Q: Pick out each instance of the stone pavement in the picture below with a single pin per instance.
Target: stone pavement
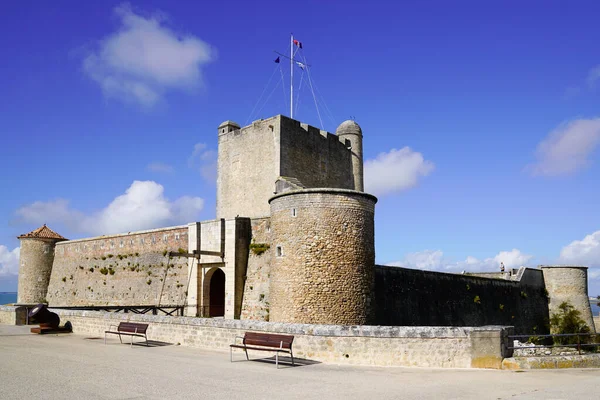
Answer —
(79, 367)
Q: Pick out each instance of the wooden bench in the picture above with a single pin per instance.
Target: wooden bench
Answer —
(264, 342)
(128, 329)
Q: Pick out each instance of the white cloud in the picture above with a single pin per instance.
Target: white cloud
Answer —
(160, 167)
(142, 206)
(205, 160)
(434, 260)
(9, 261)
(593, 76)
(583, 252)
(395, 171)
(144, 59)
(567, 149)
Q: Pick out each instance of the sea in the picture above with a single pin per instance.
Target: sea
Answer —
(8, 297)
(595, 307)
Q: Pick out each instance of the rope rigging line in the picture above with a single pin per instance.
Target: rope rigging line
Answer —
(328, 112)
(314, 97)
(269, 97)
(298, 94)
(283, 88)
(262, 94)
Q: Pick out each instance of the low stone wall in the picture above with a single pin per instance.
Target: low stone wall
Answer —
(447, 347)
(11, 315)
(597, 323)
(552, 362)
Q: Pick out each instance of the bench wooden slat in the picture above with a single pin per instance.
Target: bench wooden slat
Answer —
(129, 329)
(267, 342)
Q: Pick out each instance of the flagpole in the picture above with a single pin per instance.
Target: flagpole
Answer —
(292, 76)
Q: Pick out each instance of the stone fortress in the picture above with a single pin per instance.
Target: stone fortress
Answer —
(293, 242)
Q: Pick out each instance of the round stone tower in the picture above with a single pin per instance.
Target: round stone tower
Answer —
(35, 264)
(570, 284)
(324, 256)
(350, 134)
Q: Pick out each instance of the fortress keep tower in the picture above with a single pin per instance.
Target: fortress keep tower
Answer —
(253, 158)
(35, 264)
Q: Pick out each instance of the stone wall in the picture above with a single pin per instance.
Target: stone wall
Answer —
(424, 298)
(348, 345)
(256, 288)
(322, 271)
(128, 269)
(316, 158)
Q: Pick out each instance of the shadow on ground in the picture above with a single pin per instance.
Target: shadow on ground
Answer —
(151, 343)
(283, 361)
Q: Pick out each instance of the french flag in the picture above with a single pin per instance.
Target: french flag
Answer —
(298, 43)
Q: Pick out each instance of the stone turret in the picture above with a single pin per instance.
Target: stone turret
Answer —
(350, 134)
(228, 126)
(324, 260)
(570, 284)
(35, 264)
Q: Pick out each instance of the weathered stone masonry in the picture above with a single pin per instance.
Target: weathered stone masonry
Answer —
(322, 271)
(128, 269)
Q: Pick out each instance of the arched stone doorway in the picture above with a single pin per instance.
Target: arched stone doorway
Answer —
(216, 292)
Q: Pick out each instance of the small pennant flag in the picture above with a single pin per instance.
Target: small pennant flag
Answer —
(277, 60)
(300, 65)
(298, 43)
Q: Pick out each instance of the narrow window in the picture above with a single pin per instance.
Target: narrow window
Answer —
(348, 144)
(46, 249)
(177, 236)
(294, 214)
(279, 251)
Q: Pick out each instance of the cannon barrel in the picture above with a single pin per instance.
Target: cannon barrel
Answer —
(45, 317)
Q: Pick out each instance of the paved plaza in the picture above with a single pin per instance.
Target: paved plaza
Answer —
(80, 367)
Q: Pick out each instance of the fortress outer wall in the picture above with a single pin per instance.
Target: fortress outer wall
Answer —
(411, 297)
(324, 255)
(126, 270)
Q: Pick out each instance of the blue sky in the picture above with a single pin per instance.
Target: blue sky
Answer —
(481, 121)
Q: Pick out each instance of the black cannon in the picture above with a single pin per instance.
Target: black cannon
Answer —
(48, 320)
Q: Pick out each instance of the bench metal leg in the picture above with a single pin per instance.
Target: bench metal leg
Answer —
(247, 358)
(277, 360)
(121, 340)
(292, 354)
